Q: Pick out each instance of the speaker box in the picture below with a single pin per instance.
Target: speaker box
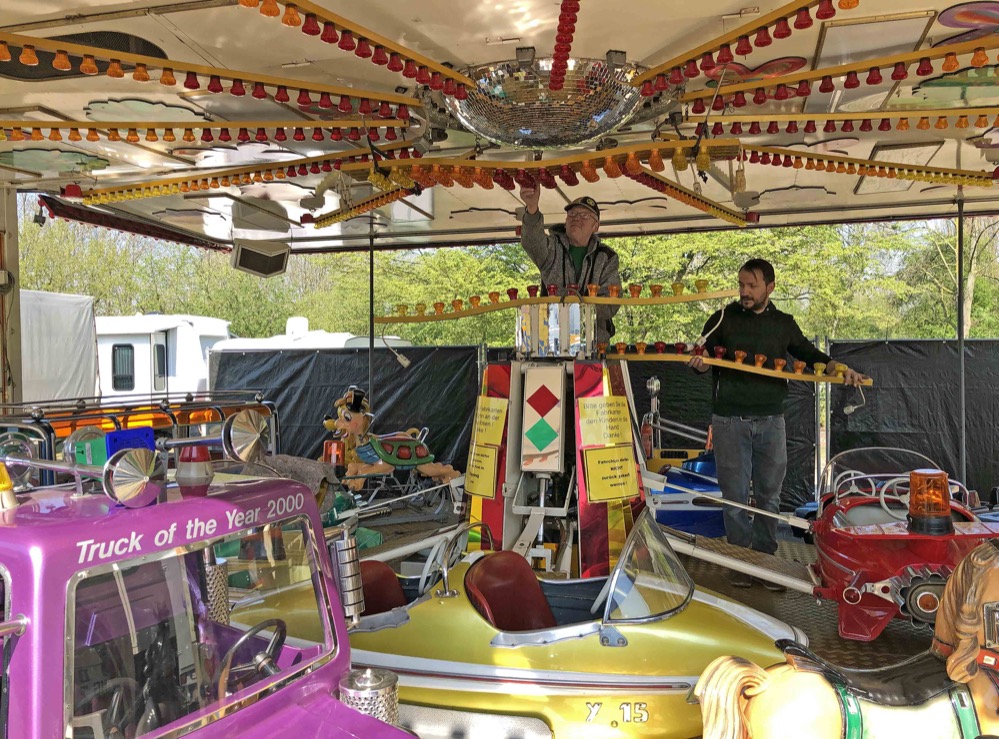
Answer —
(260, 258)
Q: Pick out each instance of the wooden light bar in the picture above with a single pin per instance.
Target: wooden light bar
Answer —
(768, 155)
(688, 197)
(361, 207)
(116, 59)
(203, 180)
(393, 56)
(790, 10)
(349, 129)
(975, 47)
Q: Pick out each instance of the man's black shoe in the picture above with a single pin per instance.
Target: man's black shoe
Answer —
(739, 579)
(773, 587)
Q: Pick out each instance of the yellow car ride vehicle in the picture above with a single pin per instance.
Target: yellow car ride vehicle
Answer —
(492, 650)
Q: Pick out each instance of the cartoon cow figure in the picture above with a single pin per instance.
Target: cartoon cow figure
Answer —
(368, 454)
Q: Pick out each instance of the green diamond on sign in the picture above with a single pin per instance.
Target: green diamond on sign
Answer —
(541, 434)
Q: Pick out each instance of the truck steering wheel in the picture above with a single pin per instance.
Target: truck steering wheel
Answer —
(263, 662)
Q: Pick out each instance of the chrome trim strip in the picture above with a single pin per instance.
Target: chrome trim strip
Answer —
(513, 639)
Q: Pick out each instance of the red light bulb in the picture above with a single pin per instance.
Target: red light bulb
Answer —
(347, 42)
(311, 25)
(762, 38)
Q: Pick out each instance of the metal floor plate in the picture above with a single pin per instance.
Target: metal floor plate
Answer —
(817, 618)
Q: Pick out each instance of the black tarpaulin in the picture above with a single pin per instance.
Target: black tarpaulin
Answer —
(915, 403)
(685, 397)
(437, 390)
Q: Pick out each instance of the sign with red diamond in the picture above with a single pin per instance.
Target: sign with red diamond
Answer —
(541, 439)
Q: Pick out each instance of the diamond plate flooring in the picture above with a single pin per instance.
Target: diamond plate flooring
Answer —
(817, 618)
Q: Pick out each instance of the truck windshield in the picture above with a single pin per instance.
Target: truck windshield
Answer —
(180, 634)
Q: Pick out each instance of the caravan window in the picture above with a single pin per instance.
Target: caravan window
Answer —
(159, 367)
(123, 367)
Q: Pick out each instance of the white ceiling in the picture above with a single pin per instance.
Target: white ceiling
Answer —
(220, 33)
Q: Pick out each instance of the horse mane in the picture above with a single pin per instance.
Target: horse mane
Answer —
(960, 616)
(721, 691)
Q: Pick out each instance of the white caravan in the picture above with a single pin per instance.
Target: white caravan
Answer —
(298, 336)
(154, 353)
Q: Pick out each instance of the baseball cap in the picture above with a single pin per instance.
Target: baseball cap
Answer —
(586, 202)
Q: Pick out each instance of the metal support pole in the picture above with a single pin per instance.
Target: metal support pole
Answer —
(963, 429)
(10, 305)
(371, 310)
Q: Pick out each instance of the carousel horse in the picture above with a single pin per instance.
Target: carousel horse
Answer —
(370, 454)
(950, 690)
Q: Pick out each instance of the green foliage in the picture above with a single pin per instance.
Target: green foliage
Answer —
(851, 281)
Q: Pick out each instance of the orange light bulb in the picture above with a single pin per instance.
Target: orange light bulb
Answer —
(61, 62)
(140, 74)
(28, 57)
(4, 52)
(979, 58)
(270, 9)
(55, 135)
(291, 17)
(74, 135)
(92, 135)
(88, 66)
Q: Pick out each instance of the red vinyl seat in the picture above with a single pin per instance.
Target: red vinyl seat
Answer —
(504, 589)
(382, 589)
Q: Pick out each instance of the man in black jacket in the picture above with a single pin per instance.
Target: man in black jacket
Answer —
(748, 410)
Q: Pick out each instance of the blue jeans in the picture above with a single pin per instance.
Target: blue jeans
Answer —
(750, 448)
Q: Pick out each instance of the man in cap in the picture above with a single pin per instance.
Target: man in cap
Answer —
(572, 254)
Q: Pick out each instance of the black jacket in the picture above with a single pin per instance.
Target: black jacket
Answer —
(771, 332)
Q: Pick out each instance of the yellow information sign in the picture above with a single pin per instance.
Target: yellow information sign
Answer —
(604, 421)
(490, 417)
(610, 473)
(480, 474)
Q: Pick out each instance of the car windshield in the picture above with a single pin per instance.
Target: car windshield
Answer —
(168, 636)
(863, 471)
(648, 581)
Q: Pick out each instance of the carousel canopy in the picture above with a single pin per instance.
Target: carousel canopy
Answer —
(206, 121)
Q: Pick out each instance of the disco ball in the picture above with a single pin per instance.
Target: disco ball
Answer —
(511, 105)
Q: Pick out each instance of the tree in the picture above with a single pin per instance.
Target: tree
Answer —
(851, 281)
(932, 263)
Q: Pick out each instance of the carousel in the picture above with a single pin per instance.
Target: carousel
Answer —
(271, 129)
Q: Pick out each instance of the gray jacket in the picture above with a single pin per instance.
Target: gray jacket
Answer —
(550, 252)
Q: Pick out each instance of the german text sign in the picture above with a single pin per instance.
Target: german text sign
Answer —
(480, 474)
(604, 421)
(610, 473)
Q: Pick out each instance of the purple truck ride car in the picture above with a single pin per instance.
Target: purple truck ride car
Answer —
(168, 620)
